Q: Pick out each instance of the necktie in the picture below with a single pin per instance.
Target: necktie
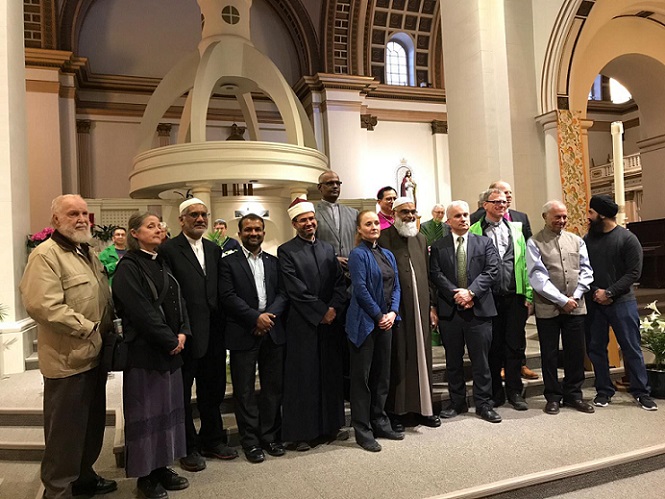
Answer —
(461, 263)
(507, 216)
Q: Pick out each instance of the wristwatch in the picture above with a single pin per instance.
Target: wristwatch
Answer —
(473, 295)
(608, 293)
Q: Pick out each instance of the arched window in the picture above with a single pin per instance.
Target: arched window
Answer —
(399, 60)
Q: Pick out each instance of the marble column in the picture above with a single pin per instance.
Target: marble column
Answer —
(552, 186)
(84, 153)
(441, 161)
(652, 155)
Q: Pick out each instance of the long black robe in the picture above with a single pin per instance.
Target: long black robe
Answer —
(313, 403)
(404, 393)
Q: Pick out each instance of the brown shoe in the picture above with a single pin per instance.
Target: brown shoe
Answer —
(528, 373)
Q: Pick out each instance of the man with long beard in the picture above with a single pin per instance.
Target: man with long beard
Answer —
(615, 255)
(65, 291)
(411, 360)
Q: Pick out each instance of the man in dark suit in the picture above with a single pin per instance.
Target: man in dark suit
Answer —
(194, 260)
(463, 267)
(313, 406)
(510, 215)
(251, 294)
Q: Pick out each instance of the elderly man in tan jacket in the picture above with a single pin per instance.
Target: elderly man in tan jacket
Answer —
(66, 293)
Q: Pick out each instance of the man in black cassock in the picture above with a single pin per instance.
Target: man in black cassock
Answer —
(313, 403)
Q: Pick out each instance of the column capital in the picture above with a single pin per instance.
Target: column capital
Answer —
(83, 126)
(368, 121)
(164, 129)
(439, 126)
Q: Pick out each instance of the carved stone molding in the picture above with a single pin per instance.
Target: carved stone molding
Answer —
(439, 126)
(164, 129)
(83, 126)
(368, 121)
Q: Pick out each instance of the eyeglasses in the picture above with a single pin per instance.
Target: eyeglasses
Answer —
(497, 201)
(196, 214)
(331, 183)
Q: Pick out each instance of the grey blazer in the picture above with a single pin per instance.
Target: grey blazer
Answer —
(343, 241)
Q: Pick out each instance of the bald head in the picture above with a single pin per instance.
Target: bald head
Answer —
(329, 186)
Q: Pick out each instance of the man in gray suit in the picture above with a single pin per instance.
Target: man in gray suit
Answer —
(337, 223)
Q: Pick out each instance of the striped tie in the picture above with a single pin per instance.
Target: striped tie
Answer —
(461, 263)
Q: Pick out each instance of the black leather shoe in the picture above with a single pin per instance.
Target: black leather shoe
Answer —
(388, 434)
(552, 407)
(518, 402)
(149, 489)
(169, 479)
(342, 434)
(451, 411)
(254, 454)
(275, 449)
(396, 423)
(580, 405)
(220, 451)
(488, 414)
(193, 462)
(100, 487)
(371, 446)
(430, 421)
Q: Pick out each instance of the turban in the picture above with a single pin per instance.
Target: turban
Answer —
(604, 205)
(299, 206)
(189, 202)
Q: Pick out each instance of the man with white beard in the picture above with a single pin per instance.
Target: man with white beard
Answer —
(411, 360)
(66, 292)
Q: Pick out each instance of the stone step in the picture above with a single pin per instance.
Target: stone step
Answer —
(32, 361)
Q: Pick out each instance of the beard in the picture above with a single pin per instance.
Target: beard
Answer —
(406, 229)
(596, 226)
(77, 236)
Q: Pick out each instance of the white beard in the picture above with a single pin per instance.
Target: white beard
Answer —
(77, 236)
(406, 229)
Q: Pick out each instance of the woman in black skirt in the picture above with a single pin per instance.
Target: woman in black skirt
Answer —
(154, 317)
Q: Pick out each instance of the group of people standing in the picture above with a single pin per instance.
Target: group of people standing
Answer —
(352, 295)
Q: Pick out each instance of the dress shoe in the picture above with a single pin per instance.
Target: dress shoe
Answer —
(302, 446)
(451, 411)
(528, 373)
(220, 451)
(396, 423)
(552, 407)
(150, 489)
(388, 434)
(498, 402)
(371, 446)
(430, 421)
(254, 454)
(193, 462)
(275, 449)
(488, 414)
(342, 434)
(580, 405)
(169, 479)
(518, 402)
(101, 486)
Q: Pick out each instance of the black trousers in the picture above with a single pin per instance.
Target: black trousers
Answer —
(259, 418)
(570, 328)
(74, 422)
(508, 345)
(370, 380)
(476, 332)
(210, 374)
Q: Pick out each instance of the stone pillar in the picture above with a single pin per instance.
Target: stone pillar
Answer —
(552, 187)
(652, 155)
(202, 191)
(16, 330)
(297, 191)
(442, 187)
(84, 153)
(164, 134)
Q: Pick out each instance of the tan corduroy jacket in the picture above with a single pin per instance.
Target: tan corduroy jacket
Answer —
(70, 300)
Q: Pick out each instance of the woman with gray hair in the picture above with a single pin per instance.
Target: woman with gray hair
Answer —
(155, 323)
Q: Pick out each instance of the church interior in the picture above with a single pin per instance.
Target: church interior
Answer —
(137, 105)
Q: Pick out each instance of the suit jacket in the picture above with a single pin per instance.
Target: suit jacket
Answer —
(199, 290)
(515, 216)
(482, 268)
(240, 300)
(343, 241)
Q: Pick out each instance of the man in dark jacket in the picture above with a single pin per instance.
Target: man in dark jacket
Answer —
(251, 294)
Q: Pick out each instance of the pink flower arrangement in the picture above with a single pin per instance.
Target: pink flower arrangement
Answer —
(37, 238)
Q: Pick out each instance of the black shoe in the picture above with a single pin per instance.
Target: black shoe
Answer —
(580, 405)
(193, 462)
(488, 414)
(150, 489)
(396, 423)
(342, 434)
(552, 407)
(518, 402)
(100, 487)
(430, 421)
(302, 446)
(254, 454)
(388, 434)
(275, 449)
(498, 402)
(169, 479)
(220, 451)
(451, 411)
(371, 446)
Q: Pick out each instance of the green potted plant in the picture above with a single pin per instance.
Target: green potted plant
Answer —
(652, 329)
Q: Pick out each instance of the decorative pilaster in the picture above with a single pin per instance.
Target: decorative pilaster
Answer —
(164, 134)
(439, 126)
(84, 154)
